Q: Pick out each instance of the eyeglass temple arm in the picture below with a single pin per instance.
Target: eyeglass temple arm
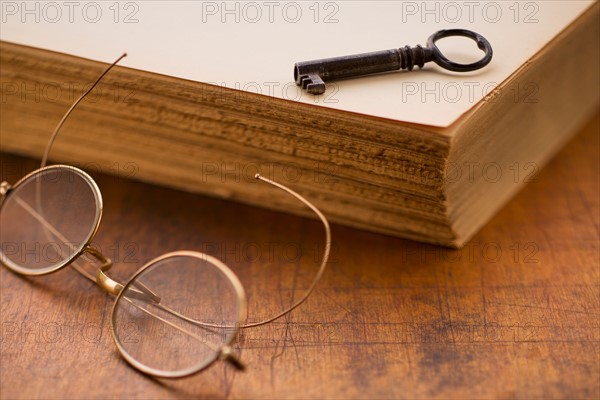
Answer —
(323, 260)
(101, 278)
(316, 279)
(310, 289)
(70, 110)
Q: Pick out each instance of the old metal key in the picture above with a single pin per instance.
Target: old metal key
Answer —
(312, 75)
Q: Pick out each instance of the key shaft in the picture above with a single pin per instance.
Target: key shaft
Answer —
(312, 75)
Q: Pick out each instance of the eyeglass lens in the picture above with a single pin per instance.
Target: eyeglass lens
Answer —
(47, 219)
(177, 314)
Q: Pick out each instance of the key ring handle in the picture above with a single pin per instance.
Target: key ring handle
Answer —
(444, 62)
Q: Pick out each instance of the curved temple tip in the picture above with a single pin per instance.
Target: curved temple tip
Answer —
(257, 176)
(228, 355)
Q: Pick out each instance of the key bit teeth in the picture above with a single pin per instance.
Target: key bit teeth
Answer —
(316, 88)
(305, 81)
(314, 84)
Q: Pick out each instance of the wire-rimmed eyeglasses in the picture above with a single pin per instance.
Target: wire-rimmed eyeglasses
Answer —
(176, 315)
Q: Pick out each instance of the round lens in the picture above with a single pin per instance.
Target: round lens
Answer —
(47, 218)
(176, 314)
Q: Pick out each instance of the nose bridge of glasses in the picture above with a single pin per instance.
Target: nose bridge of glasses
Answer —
(103, 280)
(227, 354)
(135, 290)
(4, 188)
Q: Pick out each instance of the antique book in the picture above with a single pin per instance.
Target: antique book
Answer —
(427, 155)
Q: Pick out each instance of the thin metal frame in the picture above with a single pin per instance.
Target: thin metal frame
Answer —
(140, 291)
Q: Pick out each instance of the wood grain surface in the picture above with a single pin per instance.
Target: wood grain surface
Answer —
(513, 314)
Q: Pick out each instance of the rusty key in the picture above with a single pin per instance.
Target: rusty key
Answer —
(312, 75)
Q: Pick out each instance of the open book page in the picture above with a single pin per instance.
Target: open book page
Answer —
(253, 46)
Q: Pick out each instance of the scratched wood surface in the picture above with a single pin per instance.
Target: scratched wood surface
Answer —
(515, 313)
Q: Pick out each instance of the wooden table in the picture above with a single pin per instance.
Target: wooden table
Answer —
(515, 313)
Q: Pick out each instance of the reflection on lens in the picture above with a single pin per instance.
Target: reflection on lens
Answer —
(47, 219)
(176, 313)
